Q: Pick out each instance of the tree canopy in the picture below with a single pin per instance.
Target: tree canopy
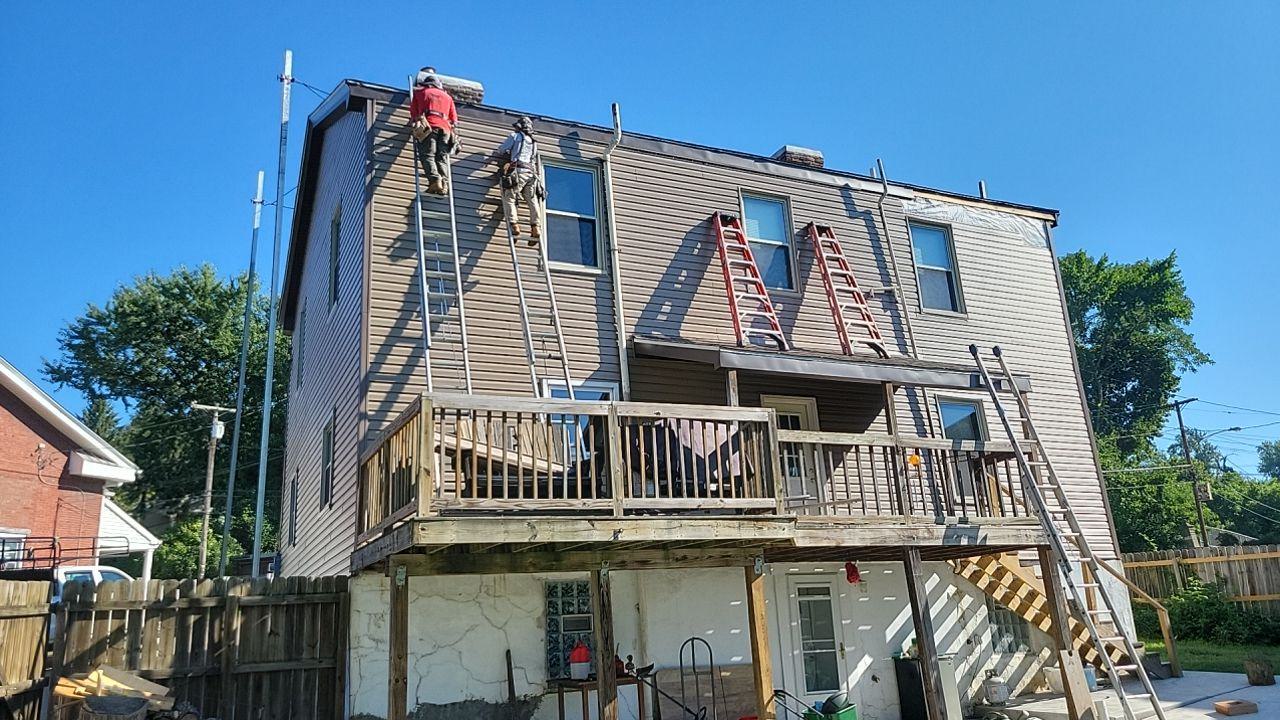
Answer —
(1130, 326)
(158, 345)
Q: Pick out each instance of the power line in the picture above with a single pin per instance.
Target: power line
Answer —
(1241, 408)
(1147, 468)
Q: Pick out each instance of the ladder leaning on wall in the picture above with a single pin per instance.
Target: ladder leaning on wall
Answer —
(1050, 504)
(439, 277)
(544, 344)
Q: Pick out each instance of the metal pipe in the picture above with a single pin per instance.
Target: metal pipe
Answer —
(615, 265)
(250, 293)
(264, 441)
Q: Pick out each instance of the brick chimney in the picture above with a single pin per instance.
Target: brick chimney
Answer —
(797, 155)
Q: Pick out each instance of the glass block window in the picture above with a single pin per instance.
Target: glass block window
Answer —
(1009, 632)
(568, 622)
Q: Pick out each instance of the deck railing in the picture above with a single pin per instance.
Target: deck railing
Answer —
(484, 454)
(456, 453)
(866, 474)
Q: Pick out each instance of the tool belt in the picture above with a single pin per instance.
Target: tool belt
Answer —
(421, 128)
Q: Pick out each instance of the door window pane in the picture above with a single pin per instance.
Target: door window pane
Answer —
(572, 217)
(818, 639)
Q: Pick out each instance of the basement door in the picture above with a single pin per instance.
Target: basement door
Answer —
(817, 646)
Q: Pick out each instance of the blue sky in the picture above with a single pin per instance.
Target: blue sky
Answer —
(133, 132)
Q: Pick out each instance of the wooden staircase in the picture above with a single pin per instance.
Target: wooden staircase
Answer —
(1018, 588)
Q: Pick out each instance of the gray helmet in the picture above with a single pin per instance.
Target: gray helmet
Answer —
(524, 124)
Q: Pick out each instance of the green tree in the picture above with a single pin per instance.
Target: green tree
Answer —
(100, 417)
(1269, 458)
(1152, 508)
(155, 347)
(1129, 321)
(179, 552)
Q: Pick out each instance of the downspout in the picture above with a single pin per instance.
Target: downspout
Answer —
(615, 265)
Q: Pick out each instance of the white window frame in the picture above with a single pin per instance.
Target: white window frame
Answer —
(790, 243)
(547, 212)
(939, 400)
(8, 545)
(327, 441)
(603, 385)
(960, 309)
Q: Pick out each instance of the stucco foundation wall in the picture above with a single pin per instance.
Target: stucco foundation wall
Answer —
(461, 626)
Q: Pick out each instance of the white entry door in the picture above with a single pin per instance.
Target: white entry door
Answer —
(801, 468)
(817, 645)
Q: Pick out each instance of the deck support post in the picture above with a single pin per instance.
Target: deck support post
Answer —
(757, 621)
(398, 646)
(731, 388)
(606, 674)
(926, 642)
(1079, 701)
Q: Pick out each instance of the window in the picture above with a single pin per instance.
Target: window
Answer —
(326, 461)
(293, 509)
(1008, 631)
(80, 576)
(12, 550)
(568, 622)
(818, 639)
(335, 232)
(962, 420)
(769, 234)
(575, 441)
(573, 233)
(110, 575)
(935, 268)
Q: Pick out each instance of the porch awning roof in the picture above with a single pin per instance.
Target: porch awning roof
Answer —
(822, 366)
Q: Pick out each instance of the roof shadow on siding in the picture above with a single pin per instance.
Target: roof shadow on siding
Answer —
(666, 309)
(891, 305)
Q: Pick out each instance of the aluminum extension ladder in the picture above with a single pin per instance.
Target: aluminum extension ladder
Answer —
(748, 297)
(849, 308)
(543, 333)
(1041, 484)
(439, 277)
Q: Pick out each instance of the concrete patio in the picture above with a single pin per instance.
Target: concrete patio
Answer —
(1184, 698)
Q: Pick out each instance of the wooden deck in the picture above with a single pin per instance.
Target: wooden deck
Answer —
(458, 474)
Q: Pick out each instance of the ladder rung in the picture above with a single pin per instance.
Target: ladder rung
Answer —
(438, 253)
(441, 274)
(1099, 611)
(1125, 668)
(436, 213)
(1112, 639)
(437, 233)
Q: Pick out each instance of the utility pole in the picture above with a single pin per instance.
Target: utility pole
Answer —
(264, 442)
(1199, 490)
(216, 430)
(251, 291)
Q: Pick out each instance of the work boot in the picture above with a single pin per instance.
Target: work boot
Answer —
(436, 187)
(515, 229)
(535, 234)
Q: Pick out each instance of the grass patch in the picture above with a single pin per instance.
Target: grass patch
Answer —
(1212, 657)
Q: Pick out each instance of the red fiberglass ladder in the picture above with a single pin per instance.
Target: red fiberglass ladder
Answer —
(749, 304)
(848, 303)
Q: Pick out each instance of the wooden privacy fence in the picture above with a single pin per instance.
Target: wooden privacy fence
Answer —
(1250, 574)
(235, 648)
(24, 617)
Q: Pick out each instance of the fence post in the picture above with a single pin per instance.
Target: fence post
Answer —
(617, 473)
(425, 477)
(230, 647)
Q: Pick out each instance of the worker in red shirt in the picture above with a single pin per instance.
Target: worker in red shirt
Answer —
(432, 118)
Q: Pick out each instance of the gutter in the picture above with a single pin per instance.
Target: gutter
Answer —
(615, 266)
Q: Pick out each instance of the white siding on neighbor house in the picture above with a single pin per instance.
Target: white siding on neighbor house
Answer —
(654, 612)
(332, 363)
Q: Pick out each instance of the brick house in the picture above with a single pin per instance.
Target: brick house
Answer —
(56, 478)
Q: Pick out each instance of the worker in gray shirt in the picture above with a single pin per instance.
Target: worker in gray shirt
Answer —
(520, 178)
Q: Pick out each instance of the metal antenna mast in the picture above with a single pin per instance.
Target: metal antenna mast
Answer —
(249, 293)
(265, 441)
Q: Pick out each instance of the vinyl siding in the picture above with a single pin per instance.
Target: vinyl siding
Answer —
(332, 364)
(396, 373)
(673, 287)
